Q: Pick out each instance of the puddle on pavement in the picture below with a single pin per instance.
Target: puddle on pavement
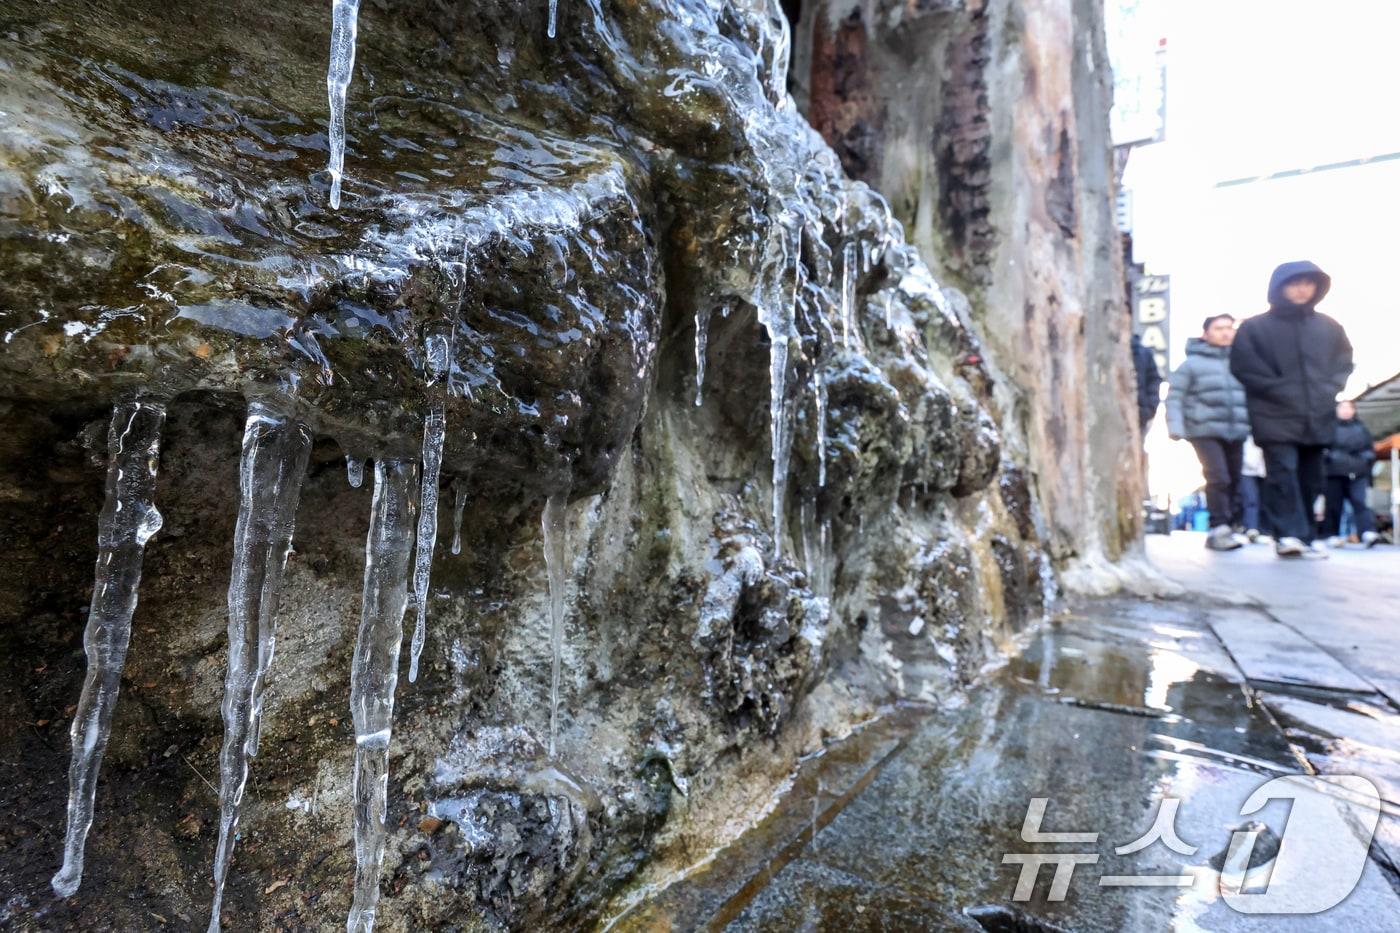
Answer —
(905, 827)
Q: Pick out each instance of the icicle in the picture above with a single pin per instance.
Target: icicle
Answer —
(556, 548)
(434, 427)
(889, 310)
(355, 470)
(128, 520)
(777, 375)
(828, 571)
(460, 488)
(270, 473)
(820, 381)
(806, 517)
(702, 332)
(374, 675)
(344, 25)
(848, 289)
(553, 16)
(434, 432)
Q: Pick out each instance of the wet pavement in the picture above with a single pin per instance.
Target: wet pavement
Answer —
(919, 821)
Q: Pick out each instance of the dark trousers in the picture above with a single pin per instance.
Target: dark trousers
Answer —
(1293, 483)
(1221, 461)
(1343, 489)
(1250, 513)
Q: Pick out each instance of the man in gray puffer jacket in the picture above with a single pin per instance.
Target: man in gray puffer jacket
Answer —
(1206, 406)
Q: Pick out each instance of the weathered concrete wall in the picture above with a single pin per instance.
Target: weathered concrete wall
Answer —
(985, 124)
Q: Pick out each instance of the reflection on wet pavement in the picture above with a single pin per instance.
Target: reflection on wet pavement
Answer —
(1107, 713)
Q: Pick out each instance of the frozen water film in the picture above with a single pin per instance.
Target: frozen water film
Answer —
(556, 547)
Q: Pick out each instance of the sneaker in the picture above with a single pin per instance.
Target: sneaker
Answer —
(1253, 535)
(1370, 539)
(1316, 551)
(1336, 541)
(1221, 538)
(1290, 547)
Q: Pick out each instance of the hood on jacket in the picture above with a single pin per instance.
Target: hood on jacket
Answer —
(1292, 270)
(1197, 346)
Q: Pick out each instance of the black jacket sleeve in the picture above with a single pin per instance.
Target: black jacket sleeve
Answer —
(1344, 364)
(1154, 382)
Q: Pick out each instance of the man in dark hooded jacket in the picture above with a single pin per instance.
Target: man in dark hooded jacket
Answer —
(1292, 361)
(1149, 383)
(1349, 460)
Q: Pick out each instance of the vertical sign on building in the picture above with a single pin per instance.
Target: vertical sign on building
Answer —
(1137, 51)
(1152, 317)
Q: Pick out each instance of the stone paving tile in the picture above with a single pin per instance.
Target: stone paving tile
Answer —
(1271, 652)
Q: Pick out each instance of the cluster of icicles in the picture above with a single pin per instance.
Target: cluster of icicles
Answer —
(274, 458)
(271, 469)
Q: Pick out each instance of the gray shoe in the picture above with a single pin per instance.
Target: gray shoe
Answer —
(1370, 539)
(1222, 538)
(1290, 547)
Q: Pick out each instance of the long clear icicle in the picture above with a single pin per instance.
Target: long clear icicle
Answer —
(374, 674)
(345, 15)
(270, 474)
(702, 333)
(848, 291)
(438, 356)
(553, 17)
(556, 549)
(434, 430)
(128, 520)
(819, 379)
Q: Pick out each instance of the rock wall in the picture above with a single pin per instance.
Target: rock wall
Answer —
(985, 124)
(787, 480)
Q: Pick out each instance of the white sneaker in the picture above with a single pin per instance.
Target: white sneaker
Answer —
(1336, 541)
(1290, 547)
(1316, 551)
(1253, 535)
(1370, 539)
(1221, 538)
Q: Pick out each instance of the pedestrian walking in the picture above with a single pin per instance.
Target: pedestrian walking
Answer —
(1206, 406)
(1252, 512)
(1149, 383)
(1293, 360)
(1348, 463)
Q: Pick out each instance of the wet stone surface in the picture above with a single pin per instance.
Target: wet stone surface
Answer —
(1107, 712)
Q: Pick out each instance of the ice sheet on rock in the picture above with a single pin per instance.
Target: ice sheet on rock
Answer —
(344, 26)
(270, 473)
(129, 518)
(374, 674)
(556, 549)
